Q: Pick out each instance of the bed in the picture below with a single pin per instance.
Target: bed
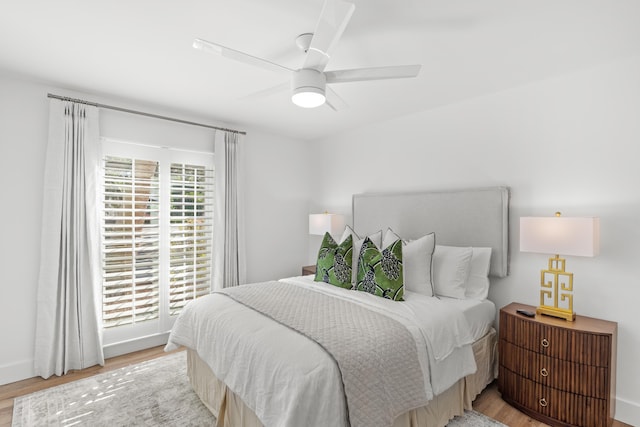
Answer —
(250, 369)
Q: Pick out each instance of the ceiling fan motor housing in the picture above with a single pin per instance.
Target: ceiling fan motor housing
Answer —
(308, 81)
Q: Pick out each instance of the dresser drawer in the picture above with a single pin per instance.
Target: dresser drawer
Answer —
(565, 407)
(560, 374)
(557, 342)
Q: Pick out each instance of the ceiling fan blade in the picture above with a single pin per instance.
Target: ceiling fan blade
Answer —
(333, 20)
(375, 73)
(267, 92)
(334, 100)
(236, 55)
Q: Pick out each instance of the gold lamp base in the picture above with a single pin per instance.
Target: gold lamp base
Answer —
(555, 282)
(556, 312)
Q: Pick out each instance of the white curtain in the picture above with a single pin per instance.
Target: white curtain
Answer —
(68, 335)
(229, 251)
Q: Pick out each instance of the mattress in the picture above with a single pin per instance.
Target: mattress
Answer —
(249, 366)
(480, 315)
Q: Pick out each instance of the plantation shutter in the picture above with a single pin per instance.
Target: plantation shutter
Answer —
(191, 233)
(131, 241)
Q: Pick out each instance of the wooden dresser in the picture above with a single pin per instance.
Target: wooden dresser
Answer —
(558, 372)
(308, 269)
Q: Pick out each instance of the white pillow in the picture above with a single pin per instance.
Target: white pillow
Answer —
(451, 265)
(416, 261)
(376, 238)
(477, 286)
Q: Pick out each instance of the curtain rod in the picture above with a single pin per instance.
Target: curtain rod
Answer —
(142, 113)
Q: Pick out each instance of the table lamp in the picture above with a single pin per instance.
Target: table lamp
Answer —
(326, 223)
(574, 236)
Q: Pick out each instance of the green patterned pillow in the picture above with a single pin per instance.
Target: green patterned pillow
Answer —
(380, 273)
(334, 262)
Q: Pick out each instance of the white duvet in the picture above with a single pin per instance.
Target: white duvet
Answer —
(289, 380)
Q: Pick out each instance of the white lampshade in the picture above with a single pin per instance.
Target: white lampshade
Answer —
(326, 223)
(560, 235)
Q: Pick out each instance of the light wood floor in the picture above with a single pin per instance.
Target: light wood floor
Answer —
(489, 402)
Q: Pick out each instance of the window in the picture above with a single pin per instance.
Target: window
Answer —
(157, 232)
(190, 234)
(131, 241)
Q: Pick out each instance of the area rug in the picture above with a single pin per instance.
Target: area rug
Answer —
(152, 393)
(474, 419)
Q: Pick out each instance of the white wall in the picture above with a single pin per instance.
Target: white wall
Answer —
(23, 128)
(277, 205)
(276, 200)
(570, 143)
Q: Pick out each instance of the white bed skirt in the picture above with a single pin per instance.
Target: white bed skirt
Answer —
(231, 411)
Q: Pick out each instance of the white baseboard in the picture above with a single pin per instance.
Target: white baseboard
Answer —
(627, 412)
(137, 344)
(18, 371)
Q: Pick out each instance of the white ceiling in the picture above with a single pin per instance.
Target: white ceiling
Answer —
(141, 50)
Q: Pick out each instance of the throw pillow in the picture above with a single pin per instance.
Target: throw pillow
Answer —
(380, 272)
(416, 261)
(334, 262)
(376, 238)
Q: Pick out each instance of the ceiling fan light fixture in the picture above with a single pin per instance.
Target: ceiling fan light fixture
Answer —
(308, 97)
(308, 88)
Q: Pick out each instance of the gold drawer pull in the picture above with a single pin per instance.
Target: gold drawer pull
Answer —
(543, 402)
(545, 342)
(544, 372)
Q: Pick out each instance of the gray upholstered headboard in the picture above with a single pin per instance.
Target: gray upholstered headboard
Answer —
(474, 217)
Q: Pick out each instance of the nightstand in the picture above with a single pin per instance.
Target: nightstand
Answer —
(308, 269)
(559, 372)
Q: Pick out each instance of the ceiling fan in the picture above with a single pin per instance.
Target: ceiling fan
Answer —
(309, 83)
